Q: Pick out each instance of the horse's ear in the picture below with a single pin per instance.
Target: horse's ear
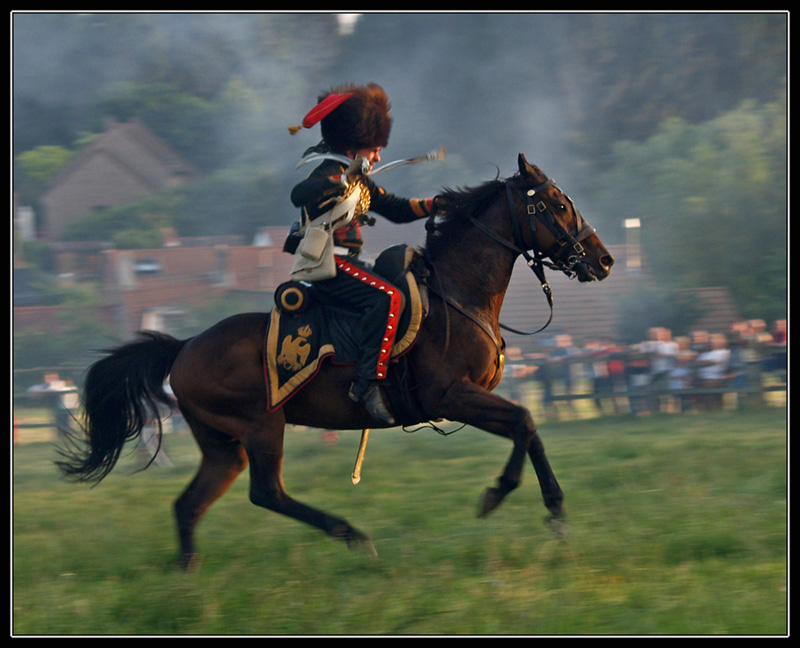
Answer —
(530, 170)
(523, 164)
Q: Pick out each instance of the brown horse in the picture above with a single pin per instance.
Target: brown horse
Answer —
(218, 377)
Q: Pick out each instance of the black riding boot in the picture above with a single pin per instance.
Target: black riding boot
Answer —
(369, 393)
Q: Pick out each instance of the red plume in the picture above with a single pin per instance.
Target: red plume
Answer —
(322, 110)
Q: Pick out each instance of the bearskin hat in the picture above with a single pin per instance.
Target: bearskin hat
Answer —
(352, 117)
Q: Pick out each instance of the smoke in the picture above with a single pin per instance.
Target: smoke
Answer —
(556, 87)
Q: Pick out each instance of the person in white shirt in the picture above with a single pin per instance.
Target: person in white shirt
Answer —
(712, 368)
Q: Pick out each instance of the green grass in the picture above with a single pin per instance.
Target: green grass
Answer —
(677, 525)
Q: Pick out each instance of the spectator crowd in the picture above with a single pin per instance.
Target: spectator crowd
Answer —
(660, 374)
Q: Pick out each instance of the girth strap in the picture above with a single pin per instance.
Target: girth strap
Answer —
(482, 325)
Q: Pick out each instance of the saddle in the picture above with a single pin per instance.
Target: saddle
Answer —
(305, 329)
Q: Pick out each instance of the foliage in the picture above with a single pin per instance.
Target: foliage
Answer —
(36, 167)
(712, 203)
(184, 120)
(632, 72)
(137, 239)
(146, 216)
(232, 201)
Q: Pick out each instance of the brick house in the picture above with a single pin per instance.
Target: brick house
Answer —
(151, 288)
(126, 164)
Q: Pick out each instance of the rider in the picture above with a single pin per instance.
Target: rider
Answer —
(355, 122)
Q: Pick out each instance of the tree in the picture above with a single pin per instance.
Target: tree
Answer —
(34, 169)
(712, 201)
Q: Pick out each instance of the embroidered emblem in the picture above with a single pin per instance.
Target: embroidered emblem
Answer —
(295, 350)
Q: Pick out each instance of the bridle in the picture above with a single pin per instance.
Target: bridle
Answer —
(564, 254)
(567, 251)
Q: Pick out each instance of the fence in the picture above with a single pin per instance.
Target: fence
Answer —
(551, 386)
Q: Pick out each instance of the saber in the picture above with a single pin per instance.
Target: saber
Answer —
(314, 157)
(362, 448)
(438, 154)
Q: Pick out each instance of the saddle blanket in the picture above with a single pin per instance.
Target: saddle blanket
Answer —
(299, 339)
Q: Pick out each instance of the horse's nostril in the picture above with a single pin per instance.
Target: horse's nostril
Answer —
(607, 261)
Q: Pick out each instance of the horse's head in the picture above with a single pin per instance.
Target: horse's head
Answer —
(549, 224)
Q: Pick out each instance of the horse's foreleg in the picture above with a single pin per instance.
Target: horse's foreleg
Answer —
(468, 403)
(551, 491)
(265, 451)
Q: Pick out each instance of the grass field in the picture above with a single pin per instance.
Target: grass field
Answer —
(677, 525)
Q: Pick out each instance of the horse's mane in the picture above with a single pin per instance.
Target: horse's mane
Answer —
(455, 206)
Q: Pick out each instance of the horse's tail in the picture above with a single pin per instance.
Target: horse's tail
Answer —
(120, 396)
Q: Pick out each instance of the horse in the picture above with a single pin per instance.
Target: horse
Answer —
(218, 376)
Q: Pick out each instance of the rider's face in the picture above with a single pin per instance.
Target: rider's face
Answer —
(371, 155)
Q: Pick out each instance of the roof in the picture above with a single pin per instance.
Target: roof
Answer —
(137, 149)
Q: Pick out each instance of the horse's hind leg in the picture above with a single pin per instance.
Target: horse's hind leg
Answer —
(265, 451)
(222, 461)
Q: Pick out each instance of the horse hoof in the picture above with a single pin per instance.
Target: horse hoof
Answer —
(364, 545)
(191, 562)
(558, 525)
(359, 542)
(489, 501)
